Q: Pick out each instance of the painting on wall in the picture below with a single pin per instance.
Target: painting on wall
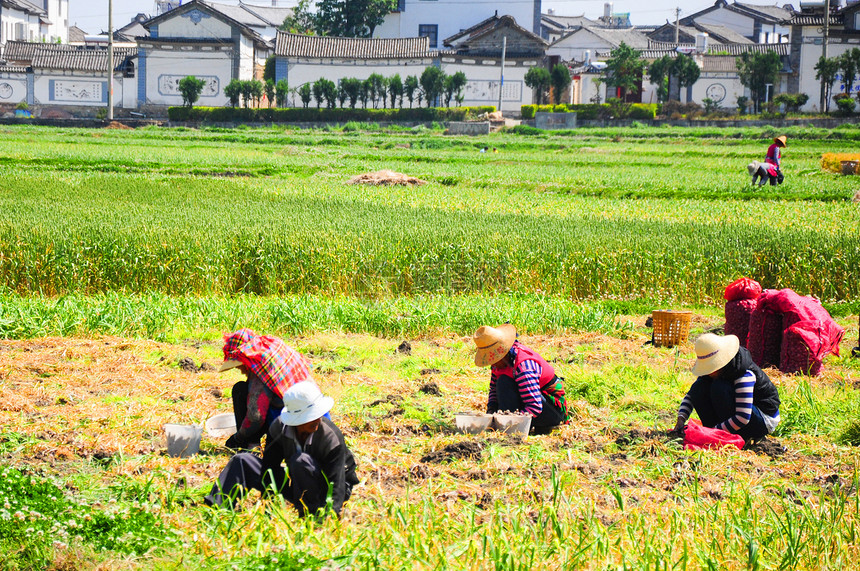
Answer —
(169, 85)
(78, 91)
(487, 91)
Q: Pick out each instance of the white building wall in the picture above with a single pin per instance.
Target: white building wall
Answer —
(810, 52)
(732, 20)
(165, 68)
(724, 88)
(19, 26)
(13, 88)
(184, 26)
(69, 88)
(58, 14)
(246, 58)
(573, 47)
(451, 18)
(483, 81)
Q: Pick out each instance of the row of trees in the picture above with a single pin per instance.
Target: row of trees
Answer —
(377, 91)
(541, 79)
(827, 72)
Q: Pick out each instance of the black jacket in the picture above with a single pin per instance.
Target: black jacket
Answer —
(765, 393)
(327, 447)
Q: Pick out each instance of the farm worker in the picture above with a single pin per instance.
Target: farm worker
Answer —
(730, 392)
(305, 454)
(520, 379)
(270, 367)
(774, 157)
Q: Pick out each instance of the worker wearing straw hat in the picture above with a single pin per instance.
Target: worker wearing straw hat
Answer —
(520, 379)
(270, 367)
(308, 445)
(731, 392)
(774, 157)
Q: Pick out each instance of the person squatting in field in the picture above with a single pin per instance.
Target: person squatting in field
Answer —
(520, 379)
(731, 392)
(270, 367)
(305, 455)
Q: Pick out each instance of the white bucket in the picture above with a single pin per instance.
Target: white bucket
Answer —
(472, 423)
(183, 440)
(221, 425)
(513, 424)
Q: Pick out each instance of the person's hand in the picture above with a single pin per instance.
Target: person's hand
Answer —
(679, 427)
(234, 443)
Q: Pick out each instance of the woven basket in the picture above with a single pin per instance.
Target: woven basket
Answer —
(671, 327)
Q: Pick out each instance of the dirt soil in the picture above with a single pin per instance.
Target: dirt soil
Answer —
(386, 178)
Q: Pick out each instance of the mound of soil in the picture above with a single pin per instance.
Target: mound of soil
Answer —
(405, 348)
(386, 178)
(456, 451)
(118, 125)
(768, 447)
(425, 372)
(187, 364)
(431, 388)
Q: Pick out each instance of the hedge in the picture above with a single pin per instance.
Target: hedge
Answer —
(322, 115)
(588, 111)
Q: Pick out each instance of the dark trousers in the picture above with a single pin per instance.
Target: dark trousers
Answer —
(240, 411)
(715, 402)
(508, 398)
(303, 484)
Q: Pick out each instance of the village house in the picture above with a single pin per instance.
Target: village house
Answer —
(196, 39)
(34, 21)
(476, 52)
(763, 24)
(807, 46)
(440, 19)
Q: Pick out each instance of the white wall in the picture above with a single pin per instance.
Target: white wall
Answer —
(740, 24)
(58, 14)
(165, 68)
(246, 58)
(13, 87)
(58, 88)
(13, 23)
(725, 88)
(483, 83)
(183, 26)
(809, 54)
(573, 47)
(451, 18)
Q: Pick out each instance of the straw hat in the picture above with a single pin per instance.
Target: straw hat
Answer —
(714, 352)
(781, 141)
(229, 364)
(303, 402)
(493, 343)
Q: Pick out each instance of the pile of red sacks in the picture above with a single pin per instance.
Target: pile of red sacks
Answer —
(781, 328)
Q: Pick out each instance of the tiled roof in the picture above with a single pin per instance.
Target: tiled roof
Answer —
(13, 69)
(273, 15)
(723, 33)
(487, 26)
(738, 49)
(814, 20)
(80, 59)
(298, 45)
(727, 64)
(76, 34)
(775, 13)
(18, 51)
(615, 36)
(24, 6)
(238, 14)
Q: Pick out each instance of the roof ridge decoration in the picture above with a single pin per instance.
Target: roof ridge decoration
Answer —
(195, 15)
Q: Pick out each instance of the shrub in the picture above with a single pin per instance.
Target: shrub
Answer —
(309, 114)
(845, 103)
(528, 111)
(675, 109)
(792, 101)
(642, 111)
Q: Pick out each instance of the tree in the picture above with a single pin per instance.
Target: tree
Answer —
(342, 95)
(849, 62)
(395, 90)
(364, 92)
(190, 88)
(756, 71)
(350, 18)
(376, 89)
(305, 94)
(282, 88)
(410, 87)
(560, 79)
(303, 20)
(454, 85)
(658, 74)
(538, 78)
(352, 88)
(233, 91)
(329, 92)
(685, 70)
(317, 90)
(432, 83)
(624, 70)
(825, 71)
(270, 92)
(269, 69)
(256, 89)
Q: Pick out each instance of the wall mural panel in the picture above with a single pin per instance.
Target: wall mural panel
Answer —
(488, 91)
(78, 91)
(169, 85)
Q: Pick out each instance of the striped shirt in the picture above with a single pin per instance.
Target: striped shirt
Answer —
(527, 378)
(744, 387)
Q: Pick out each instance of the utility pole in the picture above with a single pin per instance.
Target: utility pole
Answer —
(823, 98)
(677, 23)
(502, 76)
(110, 60)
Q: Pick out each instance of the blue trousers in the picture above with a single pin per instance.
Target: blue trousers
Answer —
(714, 402)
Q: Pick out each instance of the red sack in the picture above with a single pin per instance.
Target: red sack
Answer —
(744, 288)
(738, 314)
(698, 437)
(805, 343)
(765, 332)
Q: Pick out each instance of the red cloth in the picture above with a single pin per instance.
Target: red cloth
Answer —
(269, 358)
(698, 437)
(805, 344)
(744, 288)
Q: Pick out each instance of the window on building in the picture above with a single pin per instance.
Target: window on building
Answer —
(429, 31)
(857, 20)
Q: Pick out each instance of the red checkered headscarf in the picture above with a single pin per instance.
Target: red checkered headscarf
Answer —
(270, 359)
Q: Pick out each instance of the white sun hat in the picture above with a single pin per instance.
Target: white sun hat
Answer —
(303, 402)
(714, 352)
